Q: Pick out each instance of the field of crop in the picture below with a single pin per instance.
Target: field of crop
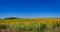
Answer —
(30, 25)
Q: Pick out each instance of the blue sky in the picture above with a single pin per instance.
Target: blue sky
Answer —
(30, 8)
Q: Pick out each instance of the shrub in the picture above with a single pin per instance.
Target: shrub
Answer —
(42, 27)
(3, 27)
(56, 25)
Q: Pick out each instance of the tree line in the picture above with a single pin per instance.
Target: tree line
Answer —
(10, 18)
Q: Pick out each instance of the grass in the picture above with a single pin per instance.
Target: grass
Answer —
(30, 25)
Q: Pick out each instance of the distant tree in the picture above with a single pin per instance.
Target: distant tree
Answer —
(11, 18)
(0, 19)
